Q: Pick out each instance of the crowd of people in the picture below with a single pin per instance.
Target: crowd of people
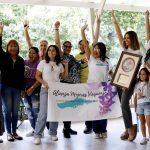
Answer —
(29, 80)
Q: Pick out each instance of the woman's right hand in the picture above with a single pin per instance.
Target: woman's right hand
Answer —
(57, 25)
(84, 27)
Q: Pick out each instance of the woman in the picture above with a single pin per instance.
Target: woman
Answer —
(13, 82)
(31, 99)
(99, 71)
(48, 70)
(130, 44)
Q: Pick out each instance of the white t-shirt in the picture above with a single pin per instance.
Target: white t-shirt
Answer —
(129, 50)
(98, 70)
(50, 71)
(145, 87)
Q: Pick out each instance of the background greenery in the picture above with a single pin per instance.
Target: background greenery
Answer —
(42, 18)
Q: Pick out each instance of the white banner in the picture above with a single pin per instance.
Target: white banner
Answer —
(82, 102)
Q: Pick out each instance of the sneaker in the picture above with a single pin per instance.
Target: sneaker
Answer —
(37, 141)
(54, 138)
(17, 137)
(30, 133)
(104, 135)
(66, 133)
(10, 137)
(97, 136)
(72, 132)
(143, 141)
(87, 130)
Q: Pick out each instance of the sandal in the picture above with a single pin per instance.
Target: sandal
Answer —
(17, 137)
(10, 137)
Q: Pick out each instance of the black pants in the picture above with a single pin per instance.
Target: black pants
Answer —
(1, 115)
(67, 124)
(100, 126)
(89, 124)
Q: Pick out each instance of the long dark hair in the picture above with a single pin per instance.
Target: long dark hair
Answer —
(134, 40)
(147, 73)
(102, 50)
(147, 55)
(57, 57)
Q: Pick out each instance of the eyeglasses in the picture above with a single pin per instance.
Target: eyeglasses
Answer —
(66, 46)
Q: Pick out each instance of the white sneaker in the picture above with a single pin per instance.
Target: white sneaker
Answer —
(143, 141)
(54, 138)
(37, 141)
(97, 136)
(104, 135)
(30, 133)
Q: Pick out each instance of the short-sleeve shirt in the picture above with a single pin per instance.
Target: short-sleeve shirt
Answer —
(83, 69)
(98, 70)
(73, 69)
(50, 71)
(145, 87)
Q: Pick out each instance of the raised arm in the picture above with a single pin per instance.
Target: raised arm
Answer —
(117, 28)
(147, 25)
(87, 49)
(57, 37)
(1, 33)
(97, 30)
(28, 40)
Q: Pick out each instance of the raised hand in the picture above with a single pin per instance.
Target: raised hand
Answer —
(84, 27)
(147, 13)
(113, 15)
(57, 25)
(26, 23)
(98, 20)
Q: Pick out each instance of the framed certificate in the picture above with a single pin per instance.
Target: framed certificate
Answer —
(126, 69)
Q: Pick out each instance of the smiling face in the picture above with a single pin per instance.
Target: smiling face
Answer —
(33, 55)
(13, 48)
(52, 53)
(67, 48)
(96, 52)
(81, 46)
(143, 75)
(127, 40)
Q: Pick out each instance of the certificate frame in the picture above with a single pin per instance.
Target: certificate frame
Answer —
(126, 69)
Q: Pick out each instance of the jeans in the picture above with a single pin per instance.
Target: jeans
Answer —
(11, 103)
(42, 116)
(99, 126)
(32, 103)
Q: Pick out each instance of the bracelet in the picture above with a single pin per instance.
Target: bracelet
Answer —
(56, 29)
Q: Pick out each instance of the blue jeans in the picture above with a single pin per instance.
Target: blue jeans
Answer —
(32, 103)
(11, 103)
(42, 116)
(99, 126)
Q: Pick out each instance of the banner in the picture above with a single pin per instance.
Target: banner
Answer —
(82, 102)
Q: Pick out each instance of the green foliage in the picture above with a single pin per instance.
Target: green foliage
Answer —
(42, 21)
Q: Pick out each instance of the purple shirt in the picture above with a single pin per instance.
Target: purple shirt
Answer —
(30, 70)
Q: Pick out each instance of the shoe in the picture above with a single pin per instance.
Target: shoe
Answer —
(37, 141)
(30, 133)
(143, 141)
(17, 137)
(72, 132)
(132, 132)
(97, 136)
(124, 136)
(104, 135)
(54, 138)
(10, 137)
(1, 141)
(66, 133)
(87, 130)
